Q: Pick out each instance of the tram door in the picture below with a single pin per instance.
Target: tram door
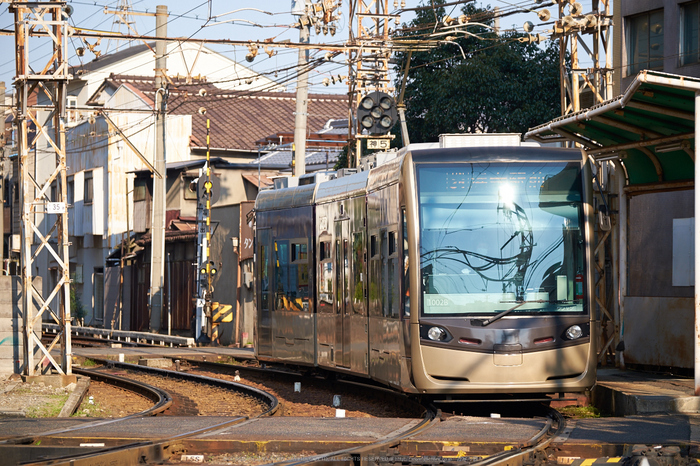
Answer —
(265, 303)
(343, 353)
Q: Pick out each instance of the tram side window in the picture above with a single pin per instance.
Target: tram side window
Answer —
(264, 278)
(338, 272)
(392, 288)
(298, 292)
(358, 283)
(406, 275)
(281, 280)
(325, 278)
(375, 277)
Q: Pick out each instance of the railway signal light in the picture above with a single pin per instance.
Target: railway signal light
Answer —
(208, 269)
(376, 113)
(209, 189)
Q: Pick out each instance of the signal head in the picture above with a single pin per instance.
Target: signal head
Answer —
(376, 113)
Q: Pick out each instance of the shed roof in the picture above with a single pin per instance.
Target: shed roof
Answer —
(651, 128)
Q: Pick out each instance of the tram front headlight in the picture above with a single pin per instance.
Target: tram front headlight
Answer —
(437, 334)
(574, 332)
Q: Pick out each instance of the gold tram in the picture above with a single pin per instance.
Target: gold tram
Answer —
(460, 270)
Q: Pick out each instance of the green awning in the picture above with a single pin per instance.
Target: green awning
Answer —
(650, 128)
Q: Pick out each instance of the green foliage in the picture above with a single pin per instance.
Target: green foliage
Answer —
(78, 311)
(87, 409)
(503, 85)
(342, 161)
(580, 412)
(51, 408)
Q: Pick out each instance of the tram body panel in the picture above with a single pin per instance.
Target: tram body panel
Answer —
(285, 277)
(263, 271)
(342, 320)
(452, 371)
(385, 338)
(356, 315)
(326, 308)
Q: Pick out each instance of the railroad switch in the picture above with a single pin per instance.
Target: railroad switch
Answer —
(538, 458)
(174, 450)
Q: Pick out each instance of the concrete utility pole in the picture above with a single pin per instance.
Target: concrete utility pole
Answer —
(299, 156)
(2, 171)
(158, 223)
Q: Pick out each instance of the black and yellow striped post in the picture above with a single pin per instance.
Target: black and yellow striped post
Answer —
(220, 313)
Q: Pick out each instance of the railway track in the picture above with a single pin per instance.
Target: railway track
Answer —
(359, 397)
(27, 449)
(388, 450)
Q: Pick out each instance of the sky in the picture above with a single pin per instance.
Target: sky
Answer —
(190, 19)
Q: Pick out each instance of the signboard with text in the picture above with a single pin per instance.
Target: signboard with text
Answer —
(245, 245)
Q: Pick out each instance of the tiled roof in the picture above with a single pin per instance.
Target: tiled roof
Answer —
(239, 118)
(314, 158)
(109, 59)
(253, 179)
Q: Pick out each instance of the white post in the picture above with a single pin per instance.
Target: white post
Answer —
(622, 256)
(697, 245)
(159, 183)
(302, 97)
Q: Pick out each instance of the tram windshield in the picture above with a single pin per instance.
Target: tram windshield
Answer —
(501, 236)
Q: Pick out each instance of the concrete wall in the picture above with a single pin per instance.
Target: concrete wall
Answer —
(659, 332)
(659, 315)
(11, 325)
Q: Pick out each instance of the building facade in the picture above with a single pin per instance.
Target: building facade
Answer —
(660, 35)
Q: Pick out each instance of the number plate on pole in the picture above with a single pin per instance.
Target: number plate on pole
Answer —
(378, 144)
(55, 207)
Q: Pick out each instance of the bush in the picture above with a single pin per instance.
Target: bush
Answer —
(78, 311)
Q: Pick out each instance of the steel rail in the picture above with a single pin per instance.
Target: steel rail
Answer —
(511, 457)
(261, 395)
(534, 444)
(138, 452)
(359, 382)
(132, 453)
(160, 397)
(351, 455)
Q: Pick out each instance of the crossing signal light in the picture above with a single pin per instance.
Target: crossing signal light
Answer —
(376, 113)
(208, 269)
(208, 189)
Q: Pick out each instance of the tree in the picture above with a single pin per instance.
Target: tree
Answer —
(503, 84)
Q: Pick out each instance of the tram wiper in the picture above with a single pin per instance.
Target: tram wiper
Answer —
(493, 319)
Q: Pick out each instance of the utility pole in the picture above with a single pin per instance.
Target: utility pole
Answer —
(369, 52)
(36, 195)
(122, 15)
(299, 150)
(2, 173)
(158, 224)
(592, 30)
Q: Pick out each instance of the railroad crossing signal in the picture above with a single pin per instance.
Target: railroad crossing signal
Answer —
(376, 113)
(208, 189)
(208, 270)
